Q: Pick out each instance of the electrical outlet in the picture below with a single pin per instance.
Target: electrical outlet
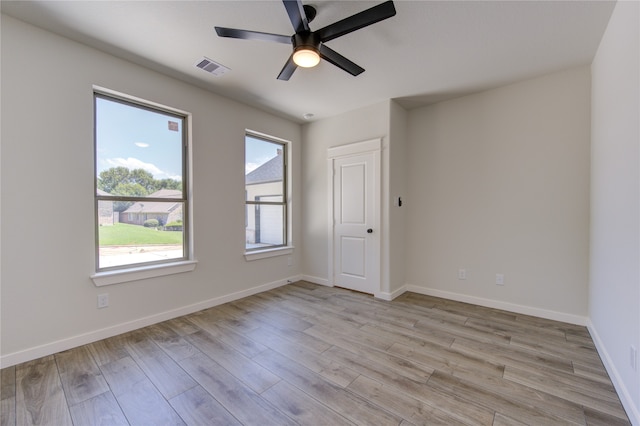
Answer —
(103, 300)
(289, 261)
(499, 279)
(462, 274)
(633, 357)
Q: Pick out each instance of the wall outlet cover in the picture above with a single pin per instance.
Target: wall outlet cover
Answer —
(103, 300)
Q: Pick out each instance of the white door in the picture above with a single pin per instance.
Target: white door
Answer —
(356, 233)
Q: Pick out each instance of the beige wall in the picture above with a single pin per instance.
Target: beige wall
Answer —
(385, 120)
(614, 293)
(356, 126)
(48, 299)
(363, 124)
(498, 182)
(397, 189)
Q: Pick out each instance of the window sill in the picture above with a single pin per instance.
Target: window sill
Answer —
(263, 254)
(143, 272)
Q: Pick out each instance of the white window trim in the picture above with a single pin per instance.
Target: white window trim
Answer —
(142, 272)
(273, 252)
(135, 273)
(280, 250)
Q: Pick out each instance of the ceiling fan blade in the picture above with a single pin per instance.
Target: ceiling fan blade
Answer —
(340, 61)
(288, 69)
(252, 35)
(297, 16)
(359, 20)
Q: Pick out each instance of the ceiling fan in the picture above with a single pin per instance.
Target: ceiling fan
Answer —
(309, 46)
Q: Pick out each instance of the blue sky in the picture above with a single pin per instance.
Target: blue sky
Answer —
(137, 139)
(258, 152)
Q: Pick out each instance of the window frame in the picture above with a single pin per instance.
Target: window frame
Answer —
(286, 247)
(141, 270)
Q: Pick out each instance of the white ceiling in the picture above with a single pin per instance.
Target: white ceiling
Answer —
(429, 51)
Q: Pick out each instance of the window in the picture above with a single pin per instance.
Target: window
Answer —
(141, 184)
(265, 193)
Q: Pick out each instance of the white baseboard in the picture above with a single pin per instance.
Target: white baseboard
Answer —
(631, 407)
(383, 295)
(316, 280)
(380, 295)
(90, 337)
(294, 278)
(496, 304)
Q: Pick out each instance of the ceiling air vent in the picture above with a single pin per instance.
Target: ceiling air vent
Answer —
(211, 67)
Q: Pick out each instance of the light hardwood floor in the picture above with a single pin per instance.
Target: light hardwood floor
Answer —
(307, 354)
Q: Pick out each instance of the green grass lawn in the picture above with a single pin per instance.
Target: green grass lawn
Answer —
(123, 234)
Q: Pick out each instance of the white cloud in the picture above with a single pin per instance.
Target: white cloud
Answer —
(142, 144)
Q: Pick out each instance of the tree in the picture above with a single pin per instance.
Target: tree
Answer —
(169, 184)
(109, 179)
(127, 190)
(143, 178)
(132, 183)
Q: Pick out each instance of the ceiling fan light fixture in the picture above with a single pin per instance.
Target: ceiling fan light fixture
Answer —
(306, 57)
(309, 46)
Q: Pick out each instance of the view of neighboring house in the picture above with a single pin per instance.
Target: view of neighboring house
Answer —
(164, 211)
(105, 211)
(264, 225)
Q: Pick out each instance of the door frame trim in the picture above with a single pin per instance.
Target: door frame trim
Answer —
(368, 146)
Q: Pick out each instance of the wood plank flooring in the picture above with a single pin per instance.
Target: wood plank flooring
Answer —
(307, 354)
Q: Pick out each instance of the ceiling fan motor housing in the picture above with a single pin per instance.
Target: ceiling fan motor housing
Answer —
(306, 49)
(308, 46)
(305, 40)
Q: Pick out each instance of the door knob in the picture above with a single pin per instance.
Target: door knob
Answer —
(369, 231)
